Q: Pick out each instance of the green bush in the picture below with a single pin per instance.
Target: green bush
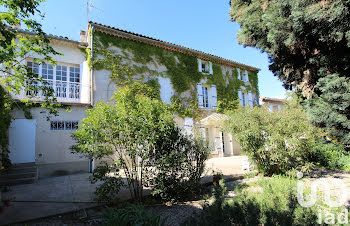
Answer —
(276, 142)
(131, 215)
(329, 155)
(108, 190)
(137, 136)
(269, 201)
(178, 167)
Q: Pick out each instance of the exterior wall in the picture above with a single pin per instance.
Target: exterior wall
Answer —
(71, 53)
(53, 154)
(272, 104)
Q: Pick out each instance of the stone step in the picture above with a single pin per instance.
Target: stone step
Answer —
(27, 164)
(17, 175)
(24, 173)
(17, 181)
(15, 170)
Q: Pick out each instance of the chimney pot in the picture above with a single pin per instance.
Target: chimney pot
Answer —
(82, 36)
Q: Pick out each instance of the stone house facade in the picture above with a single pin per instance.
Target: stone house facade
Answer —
(199, 84)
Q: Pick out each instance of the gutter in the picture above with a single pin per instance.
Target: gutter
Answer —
(53, 37)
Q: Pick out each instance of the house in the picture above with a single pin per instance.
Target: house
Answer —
(87, 73)
(273, 104)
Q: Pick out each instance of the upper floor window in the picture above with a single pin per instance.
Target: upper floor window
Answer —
(243, 75)
(63, 79)
(244, 99)
(206, 95)
(205, 66)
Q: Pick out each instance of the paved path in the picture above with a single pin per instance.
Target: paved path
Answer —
(57, 195)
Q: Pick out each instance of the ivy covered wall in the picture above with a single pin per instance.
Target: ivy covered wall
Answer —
(128, 61)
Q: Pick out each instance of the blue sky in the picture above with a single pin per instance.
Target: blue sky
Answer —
(199, 24)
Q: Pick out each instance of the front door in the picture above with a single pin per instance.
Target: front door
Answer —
(22, 133)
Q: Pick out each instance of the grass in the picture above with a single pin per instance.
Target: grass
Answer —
(267, 201)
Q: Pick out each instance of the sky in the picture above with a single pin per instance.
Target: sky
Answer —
(199, 24)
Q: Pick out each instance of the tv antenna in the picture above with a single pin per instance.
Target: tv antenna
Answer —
(88, 6)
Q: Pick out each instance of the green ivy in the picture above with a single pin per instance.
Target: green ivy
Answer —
(6, 103)
(181, 69)
(253, 80)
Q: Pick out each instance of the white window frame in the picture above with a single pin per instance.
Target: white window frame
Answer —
(208, 66)
(205, 91)
(71, 89)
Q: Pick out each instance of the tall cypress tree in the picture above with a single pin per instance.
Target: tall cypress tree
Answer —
(308, 43)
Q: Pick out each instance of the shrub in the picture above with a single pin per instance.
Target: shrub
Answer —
(274, 202)
(138, 137)
(178, 166)
(329, 155)
(131, 215)
(275, 141)
(111, 185)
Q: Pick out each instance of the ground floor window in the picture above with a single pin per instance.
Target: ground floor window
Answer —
(64, 125)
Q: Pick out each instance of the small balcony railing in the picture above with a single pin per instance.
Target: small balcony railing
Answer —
(64, 91)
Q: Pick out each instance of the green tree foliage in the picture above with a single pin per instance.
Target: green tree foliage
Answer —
(308, 43)
(331, 108)
(15, 46)
(5, 121)
(178, 164)
(137, 138)
(276, 141)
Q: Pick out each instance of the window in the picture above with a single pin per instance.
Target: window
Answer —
(243, 75)
(243, 99)
(64, 80)
(205, 66)
(64, 125)
(205, 97)
(61, 81)
(34, 68)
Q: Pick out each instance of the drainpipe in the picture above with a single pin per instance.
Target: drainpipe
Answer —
(91, 71)
(92, 160)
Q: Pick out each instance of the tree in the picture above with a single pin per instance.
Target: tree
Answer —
(331, 108)
(306, 41)
(16, 46)
(137, 138)
(276, 141)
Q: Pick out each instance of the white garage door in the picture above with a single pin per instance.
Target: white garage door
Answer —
(22, 134)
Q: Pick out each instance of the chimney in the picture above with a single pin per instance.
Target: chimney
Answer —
(82, 36)
(17, 26)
